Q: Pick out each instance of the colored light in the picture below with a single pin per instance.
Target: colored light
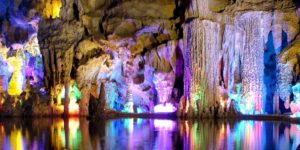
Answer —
(164, 108)
(296, 91)
(16, 83)
(128, 107)
(26, 63)
(52, 9)
(73, 106)
(245, 104)
(74, 134)
(32, 46)
(295, 104)
(161, 124)
(74, 95)
(16, 140)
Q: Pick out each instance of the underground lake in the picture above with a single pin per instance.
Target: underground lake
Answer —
(146, 134)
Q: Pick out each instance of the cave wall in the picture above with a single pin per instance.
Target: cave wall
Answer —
(226, 45)
(21, 62)
(203, 57)
(128, 53)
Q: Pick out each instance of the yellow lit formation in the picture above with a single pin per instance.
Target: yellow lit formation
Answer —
(52, 8)
(59, 134)
(16, 140)
(15, 86)
(3, 52)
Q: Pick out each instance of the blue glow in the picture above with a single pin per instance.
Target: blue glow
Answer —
(295, 104)
(269, 75)
(296, 91)
(128, 107)
(141, 110)
(148, 134)
(243, 103)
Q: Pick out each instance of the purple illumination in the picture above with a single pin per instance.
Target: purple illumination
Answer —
(164, 108)
(168, 125)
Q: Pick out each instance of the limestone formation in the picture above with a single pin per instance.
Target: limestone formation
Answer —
(201, 58)
(229, 44)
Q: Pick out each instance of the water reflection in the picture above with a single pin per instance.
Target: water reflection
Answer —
(145, 134)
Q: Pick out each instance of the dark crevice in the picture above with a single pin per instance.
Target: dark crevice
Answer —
(296, 77)
(114, 3)
(101, 28)
(55, 63)
(179, 75)
(24, 7)
(297, 3)
(298, 60)
(86, 32)
(179, 12)
(73, 72)
(75, 61)
(1, 20)
(76, 11)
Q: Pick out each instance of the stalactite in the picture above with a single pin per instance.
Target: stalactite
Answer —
(240, 42)
(285, 78)
(250, 41)
(202, 50)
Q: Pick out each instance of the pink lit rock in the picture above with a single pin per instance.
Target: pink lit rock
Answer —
(164, 108)
(295, 105)
(160, 124)
(164, 83)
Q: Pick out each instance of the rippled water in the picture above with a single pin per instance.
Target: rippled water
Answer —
(144, 134)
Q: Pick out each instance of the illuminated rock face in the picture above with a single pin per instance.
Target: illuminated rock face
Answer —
(250, 40)
(132, 85)
(203, 57)
(202, 50)
(164, 84)
(15, 87)
(21, 64)
(132, 61)
(26, 63)
(227, 49)
(295, 105)
(52, 8)
(237, 47)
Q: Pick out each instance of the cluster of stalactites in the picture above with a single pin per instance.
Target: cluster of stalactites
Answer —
(242, 43)
(25, 65)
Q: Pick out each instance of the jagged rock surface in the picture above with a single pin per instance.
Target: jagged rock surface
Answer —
(113, 45)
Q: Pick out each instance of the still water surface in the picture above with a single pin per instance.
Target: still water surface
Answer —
(146, 134)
